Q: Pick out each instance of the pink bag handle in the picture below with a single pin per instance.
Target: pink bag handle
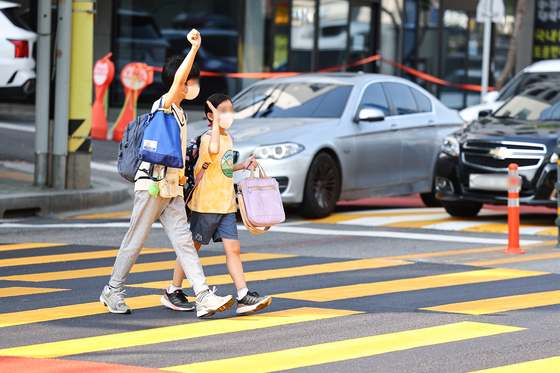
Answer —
(198, 177)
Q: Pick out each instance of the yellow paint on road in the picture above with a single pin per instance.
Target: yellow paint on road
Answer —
(174, 333)
(515, 259)
(349, 349)
(313, 269)
(501, 304)
(71, 311)
(138, 268)
(550, 365)
(22, 246)
(408, 284)
(15, 291)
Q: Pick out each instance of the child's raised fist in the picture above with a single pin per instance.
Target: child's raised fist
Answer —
(194, 38)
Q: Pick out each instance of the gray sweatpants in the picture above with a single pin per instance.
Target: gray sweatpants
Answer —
(171, 213)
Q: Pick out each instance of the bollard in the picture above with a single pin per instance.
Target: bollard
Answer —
(557, 187)
(513, 214)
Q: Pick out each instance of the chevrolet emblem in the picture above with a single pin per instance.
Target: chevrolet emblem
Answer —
(500, 153)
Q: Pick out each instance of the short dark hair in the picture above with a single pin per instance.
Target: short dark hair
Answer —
(215, 99)
(170, 68)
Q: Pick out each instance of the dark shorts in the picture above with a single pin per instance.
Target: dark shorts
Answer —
(206, 226)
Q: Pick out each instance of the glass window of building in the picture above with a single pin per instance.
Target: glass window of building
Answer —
(302, 38)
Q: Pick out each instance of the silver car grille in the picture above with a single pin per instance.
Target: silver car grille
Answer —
(498, 155)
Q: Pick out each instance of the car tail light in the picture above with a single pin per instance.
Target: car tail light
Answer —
(22, 48)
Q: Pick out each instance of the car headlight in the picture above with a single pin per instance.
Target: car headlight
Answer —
(450, 146)
(278, 151)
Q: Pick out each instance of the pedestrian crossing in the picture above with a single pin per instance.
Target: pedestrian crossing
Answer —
(305, 308)
(489, 221)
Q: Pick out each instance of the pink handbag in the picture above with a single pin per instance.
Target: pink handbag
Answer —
(260, 203)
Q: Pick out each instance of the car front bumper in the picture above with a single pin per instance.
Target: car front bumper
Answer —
(452, 184)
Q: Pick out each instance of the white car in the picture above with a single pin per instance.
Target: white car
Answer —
(17, 45)
(537, 72)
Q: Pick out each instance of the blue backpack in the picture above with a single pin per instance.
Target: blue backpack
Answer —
(137, 144)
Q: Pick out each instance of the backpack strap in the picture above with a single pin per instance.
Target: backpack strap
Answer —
(198, 178)
(149, 173)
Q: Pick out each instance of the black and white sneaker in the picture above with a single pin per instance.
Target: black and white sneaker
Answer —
(252, 302)
(177, 301)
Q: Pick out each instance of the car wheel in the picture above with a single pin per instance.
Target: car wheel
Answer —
(430, 199)
(322, 188)
(462, 209)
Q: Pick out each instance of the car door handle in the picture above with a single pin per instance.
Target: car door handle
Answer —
(394, 127)
(431, 123)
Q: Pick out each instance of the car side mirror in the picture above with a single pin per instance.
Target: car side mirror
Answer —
(491, 96)
(370, 115)
(484, 113)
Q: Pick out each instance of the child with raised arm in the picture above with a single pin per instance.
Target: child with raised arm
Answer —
(180, 77)
(213, 202)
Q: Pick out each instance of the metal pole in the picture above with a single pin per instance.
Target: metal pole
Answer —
(42, 92)
(557, 186)
(62, 93)
(486, 48)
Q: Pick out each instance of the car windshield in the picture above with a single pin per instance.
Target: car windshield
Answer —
(292, 100)
(536, 103)
(526, 80)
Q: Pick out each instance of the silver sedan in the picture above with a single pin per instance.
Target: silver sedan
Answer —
(341, 136)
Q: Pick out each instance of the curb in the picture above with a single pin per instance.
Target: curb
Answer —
(52, 202)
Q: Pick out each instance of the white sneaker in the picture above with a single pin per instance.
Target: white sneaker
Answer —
(212, 303)
(113, 299)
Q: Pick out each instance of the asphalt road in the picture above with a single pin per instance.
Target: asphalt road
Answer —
(384, 285)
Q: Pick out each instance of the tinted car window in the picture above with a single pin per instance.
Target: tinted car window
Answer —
(138, 27)
(524, 81)
(402, 98)
(537, 103)
(374, 97)
(11, 14)
(292, 100)
(423, 102)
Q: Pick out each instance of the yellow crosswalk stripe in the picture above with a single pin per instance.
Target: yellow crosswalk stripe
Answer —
(408, 284)
(550, 365)
(138, 268)
(56, 258)
(104, 215)
(22, 246)
(516, 259)
(313, 269)
(501, 304)
(18, 290)
(70, 311)
(335, 218)
(174, 333)
(349, 349)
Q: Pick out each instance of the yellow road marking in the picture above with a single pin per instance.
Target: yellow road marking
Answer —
(549, 232)
(70, 257)
(335, 218)
(174, 333)
(523, 258)
(549, 365)
(18, 290)
(21, 246)
(291, 272)
(407, 284)
(490, 227)
(105, 215)
(460, 252)
(349, 349)
(501, 304)
(138, 268)
(70, 311)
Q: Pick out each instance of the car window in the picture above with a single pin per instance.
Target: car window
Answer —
(11, 14)
(423, 102)
(538, 103)
(524, 81)
(292, 100)
(374, 97)
(402, 98)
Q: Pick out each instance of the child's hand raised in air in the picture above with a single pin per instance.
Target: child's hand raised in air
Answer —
(215, 113)
(194, 38)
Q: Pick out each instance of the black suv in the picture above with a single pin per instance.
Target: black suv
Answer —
(523, 131)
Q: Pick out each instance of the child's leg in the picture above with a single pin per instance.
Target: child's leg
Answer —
(233, 261)
(178, 273)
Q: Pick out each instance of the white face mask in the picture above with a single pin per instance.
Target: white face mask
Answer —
(226, 119)
(192, 92)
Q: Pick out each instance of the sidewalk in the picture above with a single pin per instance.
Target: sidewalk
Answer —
(19, 197)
